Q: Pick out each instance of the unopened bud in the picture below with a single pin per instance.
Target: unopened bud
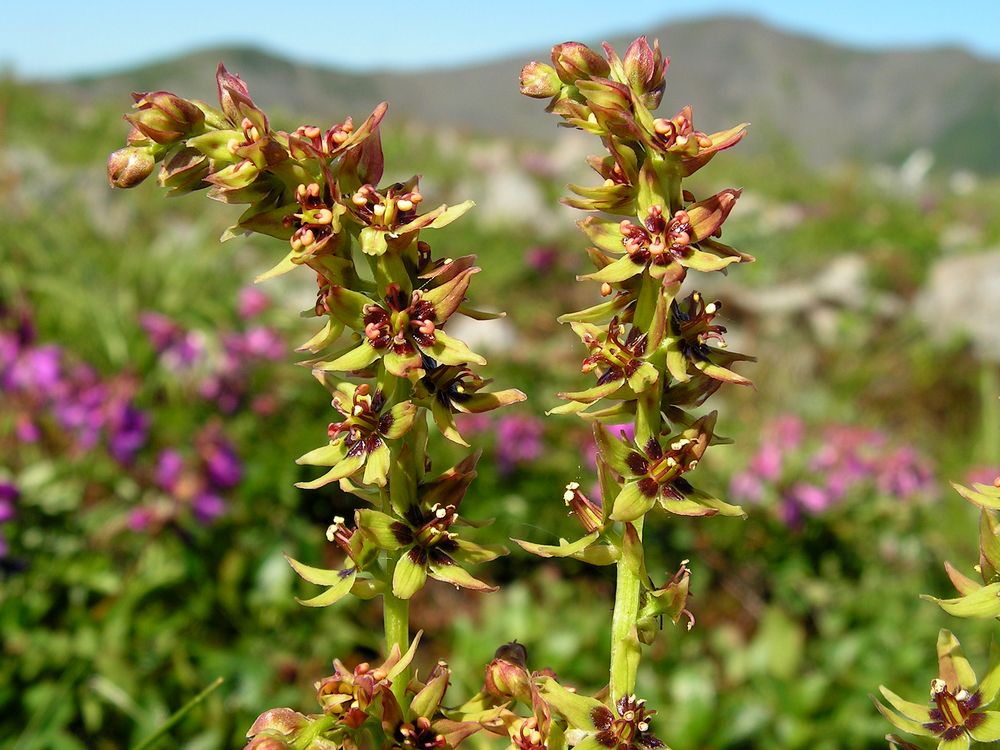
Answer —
(540, 81)
(507, 675)
(574, 61)
(165, 117)
(644, 68)
(129, 166)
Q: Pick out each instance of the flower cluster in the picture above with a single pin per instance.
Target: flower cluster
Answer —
(800, 478)
(220, 366)
(654, 352)
(383, 351)
(57, 401)
(191, 484)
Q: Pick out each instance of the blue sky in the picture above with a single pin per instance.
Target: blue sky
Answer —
(61, 37)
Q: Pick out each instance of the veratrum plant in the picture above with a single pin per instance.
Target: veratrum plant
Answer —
(384, 300)
(961, 708)
(654, 350)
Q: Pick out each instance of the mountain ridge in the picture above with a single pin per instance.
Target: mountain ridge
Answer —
(822, 101)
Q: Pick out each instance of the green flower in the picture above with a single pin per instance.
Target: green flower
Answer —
(359, 440)
(666, 246)
(697, 341)
(389, 218)
(404, 330)
(424, 536)
(626, 726)
(653, 473)
(958, 710)
(619, 360)
(455, 389)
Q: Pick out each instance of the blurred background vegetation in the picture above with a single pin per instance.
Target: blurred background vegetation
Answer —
(150, 417)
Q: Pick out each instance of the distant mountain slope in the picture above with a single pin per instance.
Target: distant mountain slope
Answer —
(826, 102)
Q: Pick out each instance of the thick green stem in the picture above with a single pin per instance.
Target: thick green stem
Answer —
(625, 649)
(396, 621)
(396, 498)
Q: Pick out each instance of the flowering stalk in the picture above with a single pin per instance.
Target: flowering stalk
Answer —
(655, 351)
(961, 708)
(383, 300)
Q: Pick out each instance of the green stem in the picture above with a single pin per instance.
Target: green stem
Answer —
(180, 714)
(402, 491)
(625, 649)
(396, 621)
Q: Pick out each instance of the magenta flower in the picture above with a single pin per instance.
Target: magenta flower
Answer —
(208, 506)
(223, 468)
(169, 468)
(9, 495)
(178, 347)
(905, 473)
(252, 302)
(518, 441)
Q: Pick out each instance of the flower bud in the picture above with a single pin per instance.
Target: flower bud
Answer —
(539, 81)
(267, 743)
(644, 69)
(129, 166)
(165, 117)
(184, 171)
(280, 721)
(574, 61)
(507, 675)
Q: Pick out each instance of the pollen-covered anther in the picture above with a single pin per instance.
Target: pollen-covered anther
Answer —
(938, 686)
(404, 205)
(378, 209)
(606, 289)
(359, 199)
(663, 126)
(322, 216)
